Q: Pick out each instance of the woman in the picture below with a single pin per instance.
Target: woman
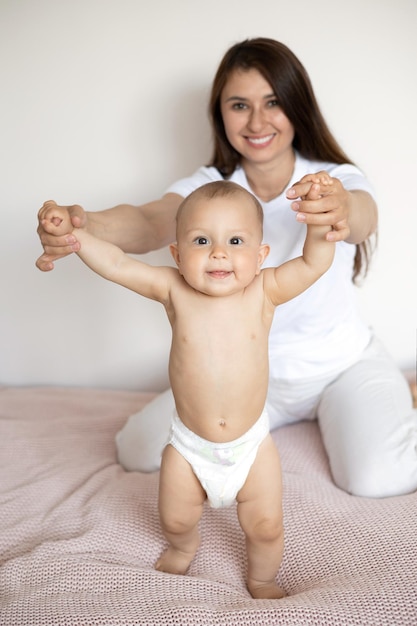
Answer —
(270, 137)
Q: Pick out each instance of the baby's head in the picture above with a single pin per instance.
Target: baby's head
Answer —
(219, 248)
(220, 190)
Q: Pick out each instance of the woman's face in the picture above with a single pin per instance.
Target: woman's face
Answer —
(255, 124)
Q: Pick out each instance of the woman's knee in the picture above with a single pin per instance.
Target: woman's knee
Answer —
(378, 479)
(140, 442)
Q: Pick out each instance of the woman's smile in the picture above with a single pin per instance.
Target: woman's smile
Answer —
(260, 142)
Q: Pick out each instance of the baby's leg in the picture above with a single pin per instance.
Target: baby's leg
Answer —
(181, 499)
(260, 516)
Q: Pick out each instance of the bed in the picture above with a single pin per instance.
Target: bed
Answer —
(79, 535)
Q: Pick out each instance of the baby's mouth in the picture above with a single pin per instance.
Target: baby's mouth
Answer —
(219, 274)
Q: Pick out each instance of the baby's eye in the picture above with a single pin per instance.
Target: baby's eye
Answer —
(235, 241)
(201, 241)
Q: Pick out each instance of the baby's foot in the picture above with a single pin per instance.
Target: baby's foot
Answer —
(174, 561)
(266, 591)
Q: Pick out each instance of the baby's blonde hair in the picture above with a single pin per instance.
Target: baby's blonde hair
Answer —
(220, 189)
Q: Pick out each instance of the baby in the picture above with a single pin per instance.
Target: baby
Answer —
(220, 304)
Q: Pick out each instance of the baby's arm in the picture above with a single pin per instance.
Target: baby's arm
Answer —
(112, 263)
(295, 276)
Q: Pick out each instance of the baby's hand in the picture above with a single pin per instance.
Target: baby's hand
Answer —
(311, 187)
(56, 220)
(322, 200)
(325, 183)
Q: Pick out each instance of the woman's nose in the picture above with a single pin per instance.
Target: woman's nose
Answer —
(256, 120)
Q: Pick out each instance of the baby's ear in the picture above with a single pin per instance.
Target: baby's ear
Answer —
(173, 248)
(263, 253)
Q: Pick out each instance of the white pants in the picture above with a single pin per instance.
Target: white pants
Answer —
(365, 414)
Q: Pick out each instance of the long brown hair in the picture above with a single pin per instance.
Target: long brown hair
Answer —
(294, 93)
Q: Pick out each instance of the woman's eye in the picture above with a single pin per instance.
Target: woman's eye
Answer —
(273, 103)
(239, 106)
(235, 241)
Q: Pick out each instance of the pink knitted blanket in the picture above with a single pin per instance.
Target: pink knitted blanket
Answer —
(79, 535)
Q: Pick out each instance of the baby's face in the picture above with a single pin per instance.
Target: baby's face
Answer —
(219, 249)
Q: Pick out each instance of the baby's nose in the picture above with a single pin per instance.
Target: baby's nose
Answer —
(218, 252)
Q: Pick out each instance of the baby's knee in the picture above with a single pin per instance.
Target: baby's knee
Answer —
(265, 530)
(178, 522)
(174, 525)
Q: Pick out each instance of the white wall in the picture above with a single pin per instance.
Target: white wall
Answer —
(104, 101)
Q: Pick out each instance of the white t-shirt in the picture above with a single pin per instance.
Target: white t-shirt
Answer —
(318, 332)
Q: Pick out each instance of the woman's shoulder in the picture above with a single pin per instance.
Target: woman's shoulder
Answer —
(350, 175)
(204, 174)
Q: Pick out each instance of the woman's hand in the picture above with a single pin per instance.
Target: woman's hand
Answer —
(57, 238)
(320, 199)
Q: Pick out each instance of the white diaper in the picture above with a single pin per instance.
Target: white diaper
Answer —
(221, 468)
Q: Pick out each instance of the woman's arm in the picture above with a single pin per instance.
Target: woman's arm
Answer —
(362, 217)
(109, 261)
(134, 229)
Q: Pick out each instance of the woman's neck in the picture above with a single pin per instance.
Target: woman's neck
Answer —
(268, 181)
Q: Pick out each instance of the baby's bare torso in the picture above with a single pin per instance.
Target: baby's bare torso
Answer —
(219, 359)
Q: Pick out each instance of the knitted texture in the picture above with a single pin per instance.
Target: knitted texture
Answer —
(79, 535)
